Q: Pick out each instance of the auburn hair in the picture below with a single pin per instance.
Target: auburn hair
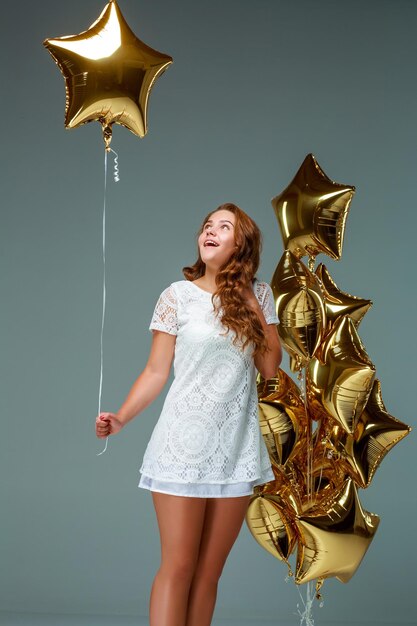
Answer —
(233, 277)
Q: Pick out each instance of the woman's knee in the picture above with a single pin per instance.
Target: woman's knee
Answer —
(181, 569)
(208, 573)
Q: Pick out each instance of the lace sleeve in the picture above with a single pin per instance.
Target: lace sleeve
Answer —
(268, 305)
(165, 314)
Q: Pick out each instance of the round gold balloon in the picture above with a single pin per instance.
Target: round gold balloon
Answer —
(312, 212)
(299, 306)
(334, 543)
(340, 376)
(108, 74)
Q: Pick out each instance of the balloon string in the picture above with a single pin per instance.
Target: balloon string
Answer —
(116, 176)
(306, 615)
(104, 292)
(309, 442)
(306, 612)
(309, 445)
(116, 173)
(319, 428)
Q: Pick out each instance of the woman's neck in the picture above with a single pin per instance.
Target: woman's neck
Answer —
(208, 281)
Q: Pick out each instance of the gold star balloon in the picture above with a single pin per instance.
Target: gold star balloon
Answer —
(312, 212)
(299, 306)
(282, 417)
(338, 303)
(340, 376)
(360, 454)
(270, 525)
(334, 542)
(108, 74)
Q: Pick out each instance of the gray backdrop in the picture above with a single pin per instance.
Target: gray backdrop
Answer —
(254, 87)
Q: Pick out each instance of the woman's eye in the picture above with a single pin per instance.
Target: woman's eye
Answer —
(223, 226)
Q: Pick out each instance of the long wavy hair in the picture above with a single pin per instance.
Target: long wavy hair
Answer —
(233, 277)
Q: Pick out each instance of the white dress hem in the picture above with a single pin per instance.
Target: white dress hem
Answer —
(205, 490)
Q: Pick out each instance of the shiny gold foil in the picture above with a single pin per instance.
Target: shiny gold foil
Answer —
(340, 376)
(299, 306)
(108, 74)
(334, 543)
(360, 454)
(312, 212)
(270, 526)
(337, 303)
(282, 417)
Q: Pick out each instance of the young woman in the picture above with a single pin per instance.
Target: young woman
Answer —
(206, 452)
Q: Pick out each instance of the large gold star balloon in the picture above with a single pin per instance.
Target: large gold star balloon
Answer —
(108, 74)
(312, 212)
(361, 453)
(334, 542)
(340, 376)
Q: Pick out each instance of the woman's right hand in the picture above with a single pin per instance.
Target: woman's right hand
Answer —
(107, 424)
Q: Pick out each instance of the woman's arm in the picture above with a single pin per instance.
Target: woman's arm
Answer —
(267, 364)
(146, 387)
(151, 381)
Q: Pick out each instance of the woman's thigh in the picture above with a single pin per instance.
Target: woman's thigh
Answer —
(223, 520)
(180, 522)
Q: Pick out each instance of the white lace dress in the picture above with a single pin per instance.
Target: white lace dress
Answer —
(207, 440)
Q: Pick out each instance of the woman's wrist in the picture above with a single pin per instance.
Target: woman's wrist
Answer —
(124, 418)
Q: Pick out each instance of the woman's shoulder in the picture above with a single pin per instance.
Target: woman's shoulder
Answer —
(176, 288)
(260, 286)
(175, 284)
(179, 285)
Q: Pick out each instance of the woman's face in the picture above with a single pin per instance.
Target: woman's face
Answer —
(220, 230)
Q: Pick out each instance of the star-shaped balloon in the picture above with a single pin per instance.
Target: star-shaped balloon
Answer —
(282, 417)
(270, 525)
(338, 303)
(299, 306)
(334, 543)
(360, 454)
(312, 212)
(340, 376)
(108, 74)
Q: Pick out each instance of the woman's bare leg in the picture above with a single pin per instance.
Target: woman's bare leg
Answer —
(180, 521)
(222, 523)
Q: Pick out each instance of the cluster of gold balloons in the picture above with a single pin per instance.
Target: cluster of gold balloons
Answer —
(108, 74)
(328, 438)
